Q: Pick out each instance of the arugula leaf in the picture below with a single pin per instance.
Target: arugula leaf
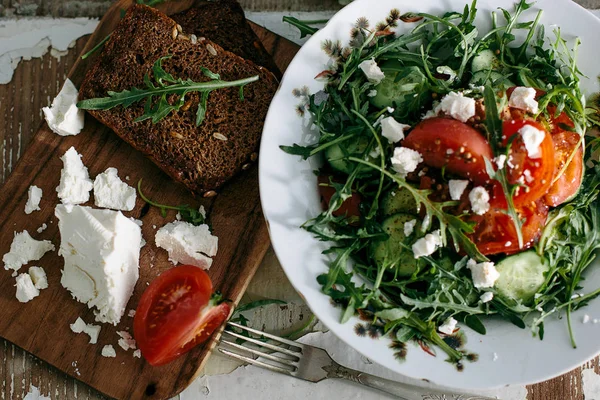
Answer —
(157, 92)
(304, 26)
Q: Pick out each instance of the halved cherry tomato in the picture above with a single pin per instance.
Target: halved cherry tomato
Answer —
(445, 142)
(495, 231)
(569, 181)
(535, 173)
(349, 207)
(175, 313)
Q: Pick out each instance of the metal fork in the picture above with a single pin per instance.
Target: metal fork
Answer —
(314, 364)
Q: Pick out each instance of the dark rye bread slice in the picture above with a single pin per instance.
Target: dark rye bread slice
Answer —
(199, 157)
(224, 22)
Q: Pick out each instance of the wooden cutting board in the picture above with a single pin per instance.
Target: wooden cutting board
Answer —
(41, 326)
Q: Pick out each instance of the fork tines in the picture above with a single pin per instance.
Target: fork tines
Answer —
(283, 354)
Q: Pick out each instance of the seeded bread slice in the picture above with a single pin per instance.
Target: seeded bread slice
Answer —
(224, 22)
(204, 157)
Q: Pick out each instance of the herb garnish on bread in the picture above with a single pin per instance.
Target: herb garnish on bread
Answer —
(201, 157)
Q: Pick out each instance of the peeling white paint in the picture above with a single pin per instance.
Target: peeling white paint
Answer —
(34, 394)
(24, 39)
(250, 382)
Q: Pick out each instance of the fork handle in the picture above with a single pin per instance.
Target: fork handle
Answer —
(404, 391)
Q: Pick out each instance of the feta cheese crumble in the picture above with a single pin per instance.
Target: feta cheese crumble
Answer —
(111, 192)
(126, 341)
(523, 98)
(532, 139)
(39, 278)
(101, 249)
(409, 227)
(42, 228)
(480, 200)
(484, 274)
(500, 161)
(586, 319)
(188, 244)
(448, 326)
(26, 290)
(486, 297)
(63, 116)
(24, 249)
(427, 245)
(93, 331)
(34, 195)
(405, 160)
(137, 353)
(393, 130)
(109, 351)
(75, 183)
(457, 188)
(131, 313)
(372, 71)
(457, 106)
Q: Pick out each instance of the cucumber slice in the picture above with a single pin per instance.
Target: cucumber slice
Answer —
(485, 61)
(490, 77)
(398, 200)
(389, 252)
(399, 87)
(521, 276)
(338, 158)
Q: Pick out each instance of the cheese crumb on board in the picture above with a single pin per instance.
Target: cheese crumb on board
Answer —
(187, 243)
(93, 331)
(64, 117)
(126, 341)
(109, 351)
(24, 249)
(75, 183)
(111, 192)
(34, 196)
(42, 228)
(448, 326)
(137, 353)
(39, 278)
(26, 290)
(131, 313)
(101, 250)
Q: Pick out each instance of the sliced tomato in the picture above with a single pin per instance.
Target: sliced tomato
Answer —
(560, 123)
(534, 173)
(175, 313)
(495, 231)
(567, 184)
(445, 142)
(350, 207)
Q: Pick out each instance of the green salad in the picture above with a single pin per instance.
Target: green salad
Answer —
(459, 178)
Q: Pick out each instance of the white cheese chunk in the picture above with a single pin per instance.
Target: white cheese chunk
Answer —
(109, 351)
(38, 276)
(393, 130)
(42, 228)
(372, 71)
(484, 274)
(34, 196)
(405, 160)
(523, 98)
(457, 188)
(532, 139)
(486, 297)
(137, 353)
(101, 249)
(25, 288)
(93, 331)
(188, 244)
(409, 227)
(75, 183)
(500, 161)
(427, 245)
(126, 341)
(63, 117)
(457, 106)
(131, 313)
(448, 326)
(111, 192)
(586, 319)
(25, 249)
(480, 200)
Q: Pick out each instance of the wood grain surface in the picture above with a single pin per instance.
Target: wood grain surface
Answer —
(42, 326)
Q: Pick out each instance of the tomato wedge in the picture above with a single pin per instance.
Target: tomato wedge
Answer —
(534, 173)
(445, 142)
(177, 312)
(495, 231)
(567, 184)
(350, 207)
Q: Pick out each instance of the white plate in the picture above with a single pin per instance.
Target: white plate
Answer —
(289, 196)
